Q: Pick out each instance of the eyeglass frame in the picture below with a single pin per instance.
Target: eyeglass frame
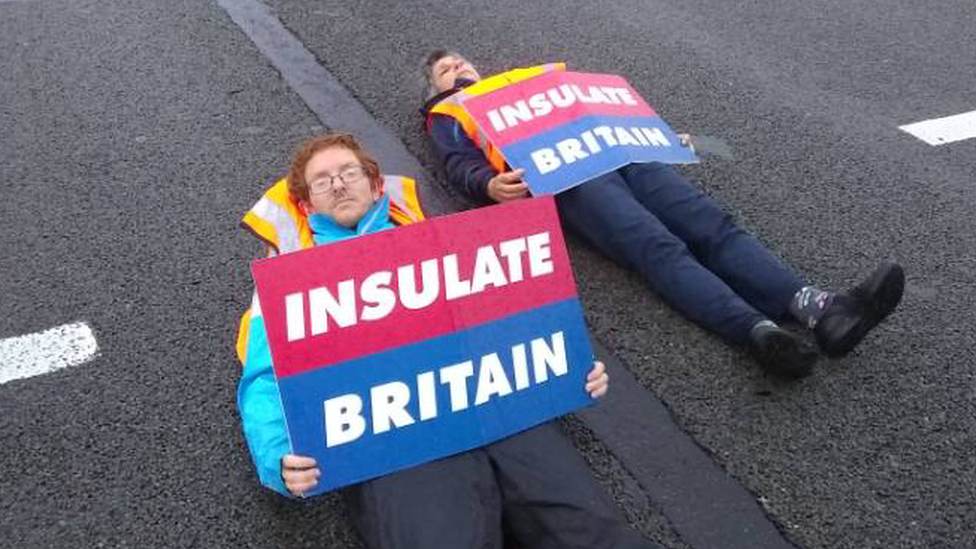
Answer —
(332, 178)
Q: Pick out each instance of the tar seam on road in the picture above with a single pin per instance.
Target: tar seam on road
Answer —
(43, 352)
(948, 129)
(334, 106)
(708, 508)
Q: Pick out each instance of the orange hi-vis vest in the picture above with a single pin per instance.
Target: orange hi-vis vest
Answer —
(452, 106)
(280, 223)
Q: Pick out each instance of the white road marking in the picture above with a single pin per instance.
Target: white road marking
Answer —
(35, 354)
(940, 131)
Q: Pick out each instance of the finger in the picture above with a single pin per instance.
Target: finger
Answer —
(603, 379)
(598, 384)
(597, 371)
(299, 488)
(514, 175)
(599, 392)
(301, 475)
(291, 461)
(514, 190)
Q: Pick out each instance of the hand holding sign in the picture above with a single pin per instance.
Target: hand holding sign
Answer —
(507, 186)
(598, 380)
(299, 473)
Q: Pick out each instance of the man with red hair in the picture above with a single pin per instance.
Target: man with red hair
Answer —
(532, 487)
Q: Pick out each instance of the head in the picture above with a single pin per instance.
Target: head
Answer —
(332, 175)
(443, 67)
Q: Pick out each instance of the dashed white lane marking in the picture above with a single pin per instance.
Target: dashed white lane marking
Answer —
(948, 129)
(43, 352)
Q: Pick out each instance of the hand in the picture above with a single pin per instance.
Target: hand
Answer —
(299, 473)
(598, 380)
(685, 140)
(507, 186)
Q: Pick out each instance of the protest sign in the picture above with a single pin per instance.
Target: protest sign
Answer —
(403, 346)
(565, 128)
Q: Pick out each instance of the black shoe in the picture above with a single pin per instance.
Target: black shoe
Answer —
(850, 316)
(780, 352)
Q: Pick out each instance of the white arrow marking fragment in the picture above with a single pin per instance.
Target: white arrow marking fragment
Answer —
(940, 131)
(35, 354)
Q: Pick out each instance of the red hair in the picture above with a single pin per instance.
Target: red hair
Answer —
(298, 187)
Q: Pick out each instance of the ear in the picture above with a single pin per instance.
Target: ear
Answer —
(376, 188)
(306, 207)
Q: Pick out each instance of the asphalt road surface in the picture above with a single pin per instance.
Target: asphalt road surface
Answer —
(134, 135)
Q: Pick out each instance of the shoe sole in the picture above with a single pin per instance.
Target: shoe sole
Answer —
(792, 361)
(881, 292)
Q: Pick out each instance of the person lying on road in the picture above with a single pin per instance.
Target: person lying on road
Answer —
(533, 487)
(689, 250)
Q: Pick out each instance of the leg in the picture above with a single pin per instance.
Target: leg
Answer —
(452, 502)
(605, 212)
(550, 498)
(711, 233)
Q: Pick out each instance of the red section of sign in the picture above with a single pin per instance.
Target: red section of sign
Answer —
(502, 113)
(461, 234)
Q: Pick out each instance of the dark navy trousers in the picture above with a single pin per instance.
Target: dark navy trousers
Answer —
(691, 252)
(530, 490)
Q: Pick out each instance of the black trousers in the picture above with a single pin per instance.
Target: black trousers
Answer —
(531, 490)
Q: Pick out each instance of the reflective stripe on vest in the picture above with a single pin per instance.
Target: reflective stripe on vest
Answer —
(452, 106)
(404, 199)
(279, 222)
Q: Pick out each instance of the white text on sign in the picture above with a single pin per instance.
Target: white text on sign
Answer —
(543, 103)
(344, 420)
(378, 298)
(570, 150)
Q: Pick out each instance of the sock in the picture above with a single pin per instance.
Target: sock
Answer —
(760, 326)
(809, 304)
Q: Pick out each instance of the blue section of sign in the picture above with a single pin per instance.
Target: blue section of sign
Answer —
(593, 145)
(371, 455)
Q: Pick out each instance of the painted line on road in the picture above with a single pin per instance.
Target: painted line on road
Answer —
(948, 129)
(44, 352)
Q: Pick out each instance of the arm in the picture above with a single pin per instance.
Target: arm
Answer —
(466, 167)
(260, 408)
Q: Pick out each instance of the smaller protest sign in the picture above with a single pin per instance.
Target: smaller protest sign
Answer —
(407, 345)
(564, 128)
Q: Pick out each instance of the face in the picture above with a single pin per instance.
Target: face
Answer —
(346, 202)
(449, 68)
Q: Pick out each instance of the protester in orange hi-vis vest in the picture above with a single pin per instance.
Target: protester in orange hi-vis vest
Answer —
(532, 488)
(647, 217)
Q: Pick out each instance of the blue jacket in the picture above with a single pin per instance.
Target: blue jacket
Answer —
(257, 394)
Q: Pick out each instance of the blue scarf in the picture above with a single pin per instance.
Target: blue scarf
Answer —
(325, 230)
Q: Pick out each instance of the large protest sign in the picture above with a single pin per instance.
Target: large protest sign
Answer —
(399, 347)
(565, 128)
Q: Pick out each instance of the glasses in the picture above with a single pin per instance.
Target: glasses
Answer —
(349, 176)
